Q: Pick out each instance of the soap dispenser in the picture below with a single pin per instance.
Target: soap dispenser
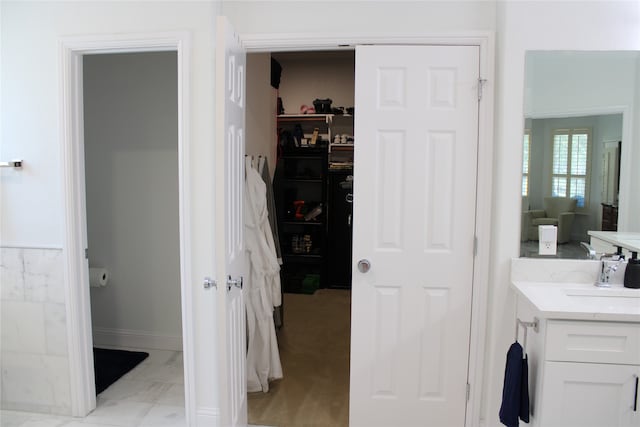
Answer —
(632, 272)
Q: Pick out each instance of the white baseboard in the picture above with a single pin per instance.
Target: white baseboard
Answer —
(207, 417)
(135, 339)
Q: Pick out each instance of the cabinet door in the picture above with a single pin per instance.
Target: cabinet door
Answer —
(588, 395)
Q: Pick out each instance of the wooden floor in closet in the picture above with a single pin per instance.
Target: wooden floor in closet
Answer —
(314, 350)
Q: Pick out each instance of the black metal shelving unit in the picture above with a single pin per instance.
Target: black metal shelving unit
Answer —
(300, 187)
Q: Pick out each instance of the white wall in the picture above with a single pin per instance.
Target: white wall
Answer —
(307, 76)
(523, 26)
(359, 17)
(261, 110)
(131, 169)
(31, 209)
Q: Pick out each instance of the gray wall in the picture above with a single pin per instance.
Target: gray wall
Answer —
(131, 168)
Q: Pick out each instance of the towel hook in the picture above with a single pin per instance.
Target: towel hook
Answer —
(525, 326)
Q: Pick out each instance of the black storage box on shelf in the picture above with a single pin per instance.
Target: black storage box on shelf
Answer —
(322, 106)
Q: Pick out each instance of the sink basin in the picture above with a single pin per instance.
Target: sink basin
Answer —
(617, 299)
(603, 292)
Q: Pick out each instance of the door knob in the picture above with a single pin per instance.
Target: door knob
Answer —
(364, 265)
(234, 282)
(209, 283)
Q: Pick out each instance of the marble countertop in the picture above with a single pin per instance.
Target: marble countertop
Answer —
(627, 240)
(581, 301)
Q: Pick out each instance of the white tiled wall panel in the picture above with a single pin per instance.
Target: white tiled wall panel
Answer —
(35, 364)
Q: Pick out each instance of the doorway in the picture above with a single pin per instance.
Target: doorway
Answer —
(131, 181)
(388, 238)
(78, 255)
(314, 339)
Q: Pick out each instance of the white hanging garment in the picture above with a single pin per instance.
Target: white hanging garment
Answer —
(262, 292)
(257, 191)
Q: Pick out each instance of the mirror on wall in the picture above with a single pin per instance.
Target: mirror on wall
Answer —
(578, 139)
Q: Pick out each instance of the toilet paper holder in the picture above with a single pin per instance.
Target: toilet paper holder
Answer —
(98, 277)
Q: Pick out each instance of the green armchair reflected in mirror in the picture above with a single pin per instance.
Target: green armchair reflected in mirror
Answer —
(558, 211)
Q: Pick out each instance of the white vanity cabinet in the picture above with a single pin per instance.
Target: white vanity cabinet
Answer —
(588, 394)
(584, 360)
(589, 374)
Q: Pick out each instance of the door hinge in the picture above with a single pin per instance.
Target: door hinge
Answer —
(86, 253)
(475, 245)
(468, 391)
(481, 83)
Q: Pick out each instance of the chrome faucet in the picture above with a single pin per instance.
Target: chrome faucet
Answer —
(606, 269)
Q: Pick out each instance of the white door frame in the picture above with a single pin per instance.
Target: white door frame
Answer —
(486, 43)
(79, 333)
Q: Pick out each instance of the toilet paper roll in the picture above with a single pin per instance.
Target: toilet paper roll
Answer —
(98, 277)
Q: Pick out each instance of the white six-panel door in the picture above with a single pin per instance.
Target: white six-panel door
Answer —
(416, 132)
(230, 69)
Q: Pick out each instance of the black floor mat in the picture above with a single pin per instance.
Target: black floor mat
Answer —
(109, 365)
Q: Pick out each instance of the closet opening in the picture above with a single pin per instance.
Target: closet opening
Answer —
(130, 120)
(300, 117)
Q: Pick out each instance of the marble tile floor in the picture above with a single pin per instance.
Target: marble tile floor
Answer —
(150, 395)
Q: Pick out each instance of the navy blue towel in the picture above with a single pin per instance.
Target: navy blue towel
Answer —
(524, 391)
(515, 393)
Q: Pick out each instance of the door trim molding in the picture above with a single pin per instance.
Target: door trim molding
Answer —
(486, 42)
(282, 42)
(79, 330)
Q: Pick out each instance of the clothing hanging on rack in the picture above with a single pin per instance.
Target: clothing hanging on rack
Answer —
(262, 290)
(263, 169)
